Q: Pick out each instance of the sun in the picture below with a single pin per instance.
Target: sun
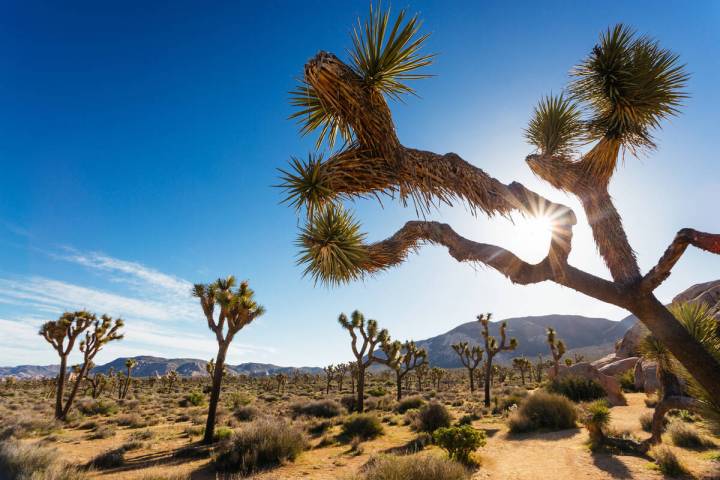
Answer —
(535, 229)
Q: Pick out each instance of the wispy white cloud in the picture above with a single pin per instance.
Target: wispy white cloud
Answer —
(162, 317)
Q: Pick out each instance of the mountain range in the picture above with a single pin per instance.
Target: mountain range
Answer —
(587, 336)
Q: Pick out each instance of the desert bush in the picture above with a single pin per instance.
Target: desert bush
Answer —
(596, 418)
(409, 402)
(246, 413)
(365, 426)
(543, 411)
(627, 381)
(686, 436)
(318, 428)
(260, 445)
(30, 462)
(651, 401)
(415, 467)
(240, 399)
(195, 399)
(432, 416)
(132, 420)
(142, 435)
(106, 431)
(666, 461)
(376, 392)
(318, 408)
(646, 421)
(349, 402)
(577, 389)
(110, 459)
(222, 433)
(459, 442)
(88, 406)
(514, 397)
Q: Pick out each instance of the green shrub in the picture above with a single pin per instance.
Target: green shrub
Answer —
(543, 410)
(97, 407)
(318, 408)
(246, 413)
(260, 445)
(408, 403)
(596, 417)
(365, 426)
(666, 461)
(221, 433)
(577, 389)
(627, 381)
(377, 392)
(30, 462)
(432, 416)
(195, 399)
(459, 442)
(685, 436)
(416, 467)
(239, 399)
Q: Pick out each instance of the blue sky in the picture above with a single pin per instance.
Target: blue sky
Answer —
(139, 143)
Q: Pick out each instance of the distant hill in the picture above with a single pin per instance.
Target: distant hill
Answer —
(591, 337)
(151, 366)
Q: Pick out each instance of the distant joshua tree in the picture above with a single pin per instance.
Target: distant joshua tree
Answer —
(341, 369)
(557, 349)
(492, 348)
(363, 348)
(436, 376)
(617, 98)
(470, 357)
(522, 365)
(421, 373)
(403, 358)
(330, 372)
(62, 335)
(227, 310)
(130, 363)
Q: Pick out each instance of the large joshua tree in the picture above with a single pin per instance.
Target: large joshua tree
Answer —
(63, 333)
(492, 348)
(365, 338)
(227, 309)
(618, 95)
(470, 357)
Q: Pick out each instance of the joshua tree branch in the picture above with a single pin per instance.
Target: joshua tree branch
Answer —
(687, 236)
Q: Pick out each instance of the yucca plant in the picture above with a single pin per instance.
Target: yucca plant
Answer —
(616, 99)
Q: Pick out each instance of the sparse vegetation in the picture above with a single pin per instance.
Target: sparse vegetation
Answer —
(416, 467)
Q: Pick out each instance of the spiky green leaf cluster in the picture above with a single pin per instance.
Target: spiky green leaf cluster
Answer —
(387, 57)
(331, 246)
(556, 127)
(313, 115)
(629, 84)
(305, 184)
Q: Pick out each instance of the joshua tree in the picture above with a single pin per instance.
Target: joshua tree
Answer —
(403, 358)
(237, 308)
(210, 369)
(341, 370)
(618, 96)
(69, 327)
(370, 338)
(130, 363)
(522, 365)
(436, 376)
(353, 367)
(330, 372)
(280, 380)
(470, 358)
(421, 372)
(492, 348)
(557, 349)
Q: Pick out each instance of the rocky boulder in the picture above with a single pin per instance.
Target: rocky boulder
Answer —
(586, 370)
(707, 293)
(629, 346)
(646, 376)
(619, 366)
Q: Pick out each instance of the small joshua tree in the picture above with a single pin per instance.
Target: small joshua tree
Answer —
(170, 379)
(98, 383)
(363, 348)
(470, 358)
(403, 358)
(236, 307)
(62, 335)
(330, 372)
(436, 376)
(492, 348)
(281, 381)
(539, 366)
(421, 373)
(341, 370)
(557, 349)
(130, 363)
(522, 365)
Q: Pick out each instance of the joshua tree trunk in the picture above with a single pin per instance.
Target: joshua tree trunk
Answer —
(472, 380)
(73, 392)
(361, 389)
(664, 406)
(488, 379)
(215, 394)
(352, 384)
(60, 388)
(399, 379)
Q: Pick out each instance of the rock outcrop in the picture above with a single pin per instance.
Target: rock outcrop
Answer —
(707, 293)
(619, 366)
